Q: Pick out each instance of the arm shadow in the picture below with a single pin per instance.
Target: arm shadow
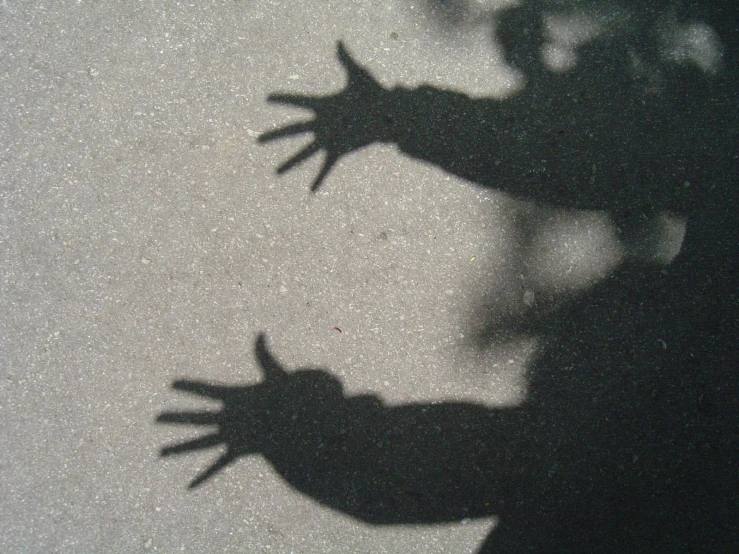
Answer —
(624, 130)
(622, 443)
(415, 463)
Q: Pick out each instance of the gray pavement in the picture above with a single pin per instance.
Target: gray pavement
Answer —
(146, 237)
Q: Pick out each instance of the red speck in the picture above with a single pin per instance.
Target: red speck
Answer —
(337, 330)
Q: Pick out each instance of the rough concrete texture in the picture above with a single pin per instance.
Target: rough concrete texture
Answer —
(526, 364)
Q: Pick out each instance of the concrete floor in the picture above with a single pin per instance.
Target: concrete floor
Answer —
(146, 237)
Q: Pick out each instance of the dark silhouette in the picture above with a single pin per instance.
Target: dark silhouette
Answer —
(629, 439)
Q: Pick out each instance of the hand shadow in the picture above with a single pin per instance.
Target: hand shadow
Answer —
(418, 463)
(339, 127)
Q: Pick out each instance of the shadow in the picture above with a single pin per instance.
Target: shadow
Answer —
(611, 134)
(618, 457)
(379, 464)
(629, 440)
